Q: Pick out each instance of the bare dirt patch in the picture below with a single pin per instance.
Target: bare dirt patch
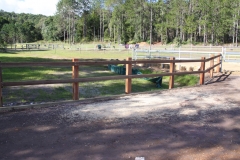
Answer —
(234, 67)
(184, 123)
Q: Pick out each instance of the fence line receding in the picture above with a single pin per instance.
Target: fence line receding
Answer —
(128, 77)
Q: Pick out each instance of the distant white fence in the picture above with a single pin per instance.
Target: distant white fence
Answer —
(178, 54)
(229, 54)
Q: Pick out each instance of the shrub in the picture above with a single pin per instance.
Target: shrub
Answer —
(183, 68)
(191, 69)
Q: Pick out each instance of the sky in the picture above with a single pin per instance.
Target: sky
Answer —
(45, 7)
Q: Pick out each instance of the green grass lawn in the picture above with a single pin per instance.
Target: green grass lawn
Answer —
(58, 92)
(27, 55)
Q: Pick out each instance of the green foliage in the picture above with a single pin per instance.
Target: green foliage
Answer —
(177, 41)
(183, 80)
(132, 42)
(19, 28)
(186, 80)
(58, 92)
(3, 21)
(146, 71)
(123, 21)
(49, 30)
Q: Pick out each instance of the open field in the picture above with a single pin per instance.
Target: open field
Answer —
(45, 93)
(65, 54)
(229, 52)
(200, 122)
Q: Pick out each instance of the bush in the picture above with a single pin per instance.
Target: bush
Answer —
(132, 42)
(183, 68)
(191, 69)
(3, 46)
(186, 80)
(85, 40)
(164, 39)
(177, 41)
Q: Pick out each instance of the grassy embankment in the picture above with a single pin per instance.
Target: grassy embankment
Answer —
(46, 93)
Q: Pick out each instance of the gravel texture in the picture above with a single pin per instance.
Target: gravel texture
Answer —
(185, 123)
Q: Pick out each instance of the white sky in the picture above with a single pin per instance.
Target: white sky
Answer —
(45, 7)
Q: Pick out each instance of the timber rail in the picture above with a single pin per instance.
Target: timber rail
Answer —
(128, 77)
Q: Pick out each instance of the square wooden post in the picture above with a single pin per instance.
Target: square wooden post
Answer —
(218, 61)
(202, 75)
(128, 82)
(172, 70)
(1, 96)
(211, 65)
(75, 86)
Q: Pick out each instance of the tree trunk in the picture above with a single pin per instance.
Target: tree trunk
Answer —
(122, 27)
(151, 27)
(191, 37)
(233, 38)
(199, 32)
(212, 38)
(118, 33)
(94, 33)
(114, 34)
(64, 37)
(237, 31)
(69, 29)
(204, 34)
(103, 28)
(100, 29)
(212, 35)
(74, 30)
(237, 34)
(181, 26)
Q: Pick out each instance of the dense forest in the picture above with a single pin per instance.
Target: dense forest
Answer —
(128, 21)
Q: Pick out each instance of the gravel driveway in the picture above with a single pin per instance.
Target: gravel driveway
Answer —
(186, 123)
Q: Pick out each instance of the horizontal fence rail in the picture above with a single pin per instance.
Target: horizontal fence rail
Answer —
(128, 77)
(231, 56)
(81, 63)
(179, 54)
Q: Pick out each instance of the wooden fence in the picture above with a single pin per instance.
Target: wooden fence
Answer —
(128, 77)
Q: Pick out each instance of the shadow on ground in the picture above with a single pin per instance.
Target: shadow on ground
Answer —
(54, 133)
(219, 78)
(42, 134)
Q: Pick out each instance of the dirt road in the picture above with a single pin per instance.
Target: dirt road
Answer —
(186, 123)
(226, 66)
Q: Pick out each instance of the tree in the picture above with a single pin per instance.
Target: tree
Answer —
(68, 11)
(3, 21)
(49, 31)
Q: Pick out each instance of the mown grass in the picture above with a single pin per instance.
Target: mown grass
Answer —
(46, 93)
(67, 54)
